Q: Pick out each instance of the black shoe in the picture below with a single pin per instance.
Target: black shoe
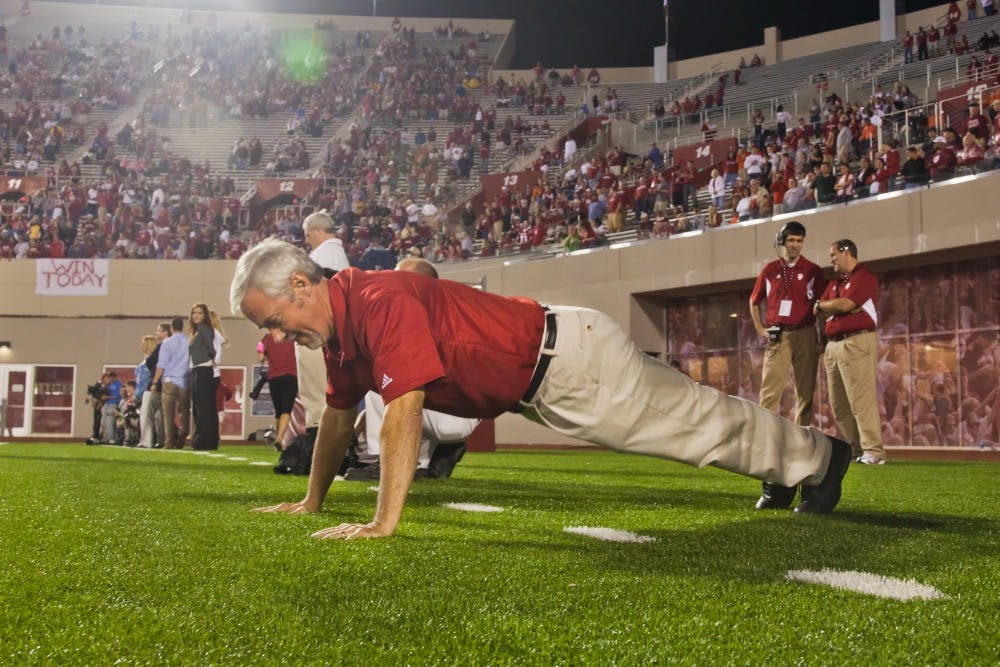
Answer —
(445, 458)
(421, 473)
(363, 473)
(823, 497)
(776, 496)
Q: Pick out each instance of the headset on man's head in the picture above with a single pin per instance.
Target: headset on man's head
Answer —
(790, 228)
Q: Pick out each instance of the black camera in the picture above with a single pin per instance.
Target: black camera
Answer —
(96, 391)
(774, 334)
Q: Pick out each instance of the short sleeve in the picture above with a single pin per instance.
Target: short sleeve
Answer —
(404, 355)
(760, 288)
(862, 287)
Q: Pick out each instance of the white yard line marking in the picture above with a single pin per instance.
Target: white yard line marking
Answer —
(373, 488)
(260, 463)
(236, 458)
(473, 507)
(609, 534)
(218, 456)
(868, 583)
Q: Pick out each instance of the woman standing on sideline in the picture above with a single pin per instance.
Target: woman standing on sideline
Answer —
(220, 342)
(201, 346)
(150, 421)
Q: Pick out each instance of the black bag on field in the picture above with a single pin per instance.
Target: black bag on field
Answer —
(296, 459)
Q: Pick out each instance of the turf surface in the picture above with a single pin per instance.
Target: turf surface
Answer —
(111, 555)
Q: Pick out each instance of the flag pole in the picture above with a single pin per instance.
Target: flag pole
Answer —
(666, 41)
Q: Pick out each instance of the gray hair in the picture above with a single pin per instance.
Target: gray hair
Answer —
(321, 221)
(267, 267)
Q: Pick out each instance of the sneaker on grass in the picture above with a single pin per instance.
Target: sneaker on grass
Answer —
(870, 459)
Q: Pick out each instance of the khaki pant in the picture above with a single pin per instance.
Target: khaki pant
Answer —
(615, 221)
(601, 388)
(176, 408)
(311, 371)
(797, 350)
(850, 375)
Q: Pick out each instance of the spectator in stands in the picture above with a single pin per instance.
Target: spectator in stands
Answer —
(717, 189)
(914, 170)
(655, 156)
(970, 158)
(977, 124)
(744, 205)
(572, 242)
(907, 48)
(825, 185)
(864, 178)
(844, 184)
(793, 196)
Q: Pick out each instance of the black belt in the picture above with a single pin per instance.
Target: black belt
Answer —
(544, 359)
(842, 336)
(793, 327)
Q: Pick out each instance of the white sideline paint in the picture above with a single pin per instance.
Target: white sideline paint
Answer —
(868, 583)
(260, 463)
(609, 534)
(373, 488)
(218, 456)
(473, 507)
(236, 458)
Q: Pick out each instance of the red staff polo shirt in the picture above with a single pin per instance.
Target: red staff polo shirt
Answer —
(861, 287)
(473, 352)
(280, 357)
(790, 291)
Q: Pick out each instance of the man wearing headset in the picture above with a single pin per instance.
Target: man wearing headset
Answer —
(851, 303)
(790, 286)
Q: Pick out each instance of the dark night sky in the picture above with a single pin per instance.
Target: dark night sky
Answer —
(612, 33)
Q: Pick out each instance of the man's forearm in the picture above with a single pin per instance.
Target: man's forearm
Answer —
(755, 316)
(402, 428)
(332, 440)
(836, 306)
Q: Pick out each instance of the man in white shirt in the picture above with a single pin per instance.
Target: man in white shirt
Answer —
(321, 235)
(754, 164)
(328, 252)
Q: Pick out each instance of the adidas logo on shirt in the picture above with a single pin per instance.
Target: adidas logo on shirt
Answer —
(386, 381)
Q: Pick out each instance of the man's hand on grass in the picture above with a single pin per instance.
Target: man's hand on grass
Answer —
(352, 531)
(301, 507)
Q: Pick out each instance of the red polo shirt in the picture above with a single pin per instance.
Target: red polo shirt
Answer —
(473, 352)
(797, 285)
(861, 287)
(280, 357)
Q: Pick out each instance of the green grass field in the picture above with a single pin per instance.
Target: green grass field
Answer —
(111, 555)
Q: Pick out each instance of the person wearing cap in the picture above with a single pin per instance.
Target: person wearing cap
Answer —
(790, 286)
(942, 161)
(438, 344)
(850, 303)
